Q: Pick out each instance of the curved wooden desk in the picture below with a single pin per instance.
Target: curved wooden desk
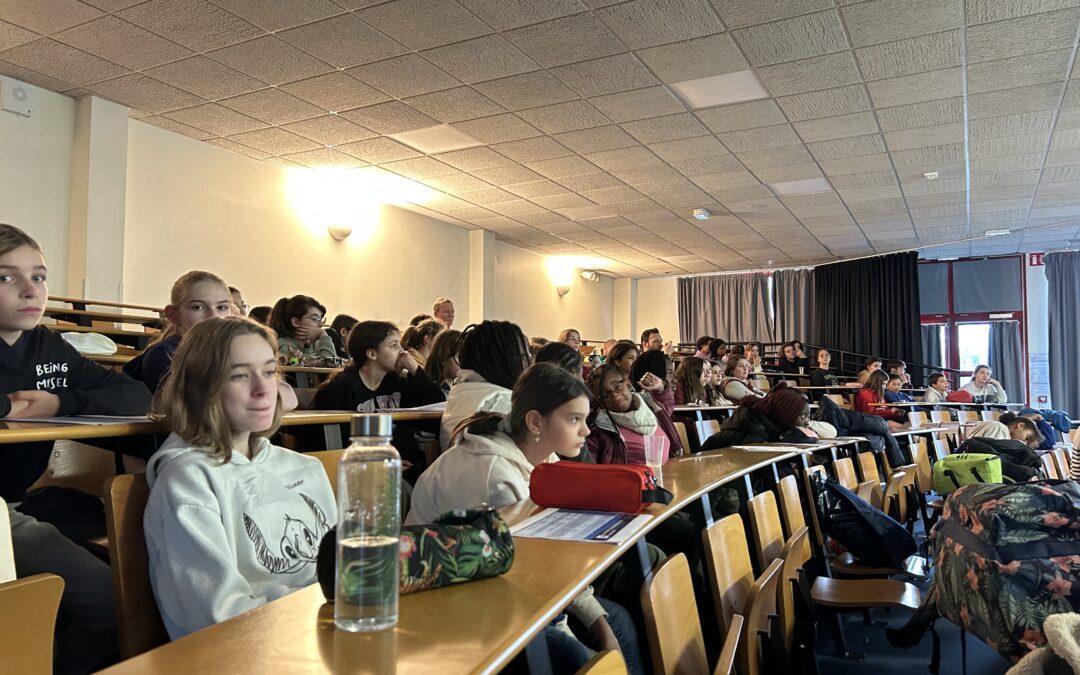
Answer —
(471, 628)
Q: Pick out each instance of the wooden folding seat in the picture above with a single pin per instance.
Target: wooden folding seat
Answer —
(727, 560)
(138, 621)
(605, 663)
(760, 610)
(28, 610)
(671, 620)
(845, 473)
(705, 429)
(765, 527)
(791, 510)
(868, 467)
(680, 428)
(917, 418)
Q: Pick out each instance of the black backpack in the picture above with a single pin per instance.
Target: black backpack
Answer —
(868, 533)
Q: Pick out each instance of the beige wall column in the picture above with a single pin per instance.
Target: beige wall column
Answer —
(625, 309)
(98, 194)
(481, 274)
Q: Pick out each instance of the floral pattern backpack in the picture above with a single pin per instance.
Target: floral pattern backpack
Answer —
(1007, 557)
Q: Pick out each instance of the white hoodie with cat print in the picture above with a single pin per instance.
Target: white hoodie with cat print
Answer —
(226, 538)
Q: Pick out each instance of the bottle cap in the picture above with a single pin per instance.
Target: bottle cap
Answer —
(371, 425)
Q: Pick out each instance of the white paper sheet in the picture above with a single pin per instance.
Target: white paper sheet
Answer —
(568, 525)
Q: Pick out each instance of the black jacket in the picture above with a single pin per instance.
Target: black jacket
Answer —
(1018, 461)
(747, 426)
(820, 377)
(854, 423)
(785, 366)
(346, 391)
(41, 360)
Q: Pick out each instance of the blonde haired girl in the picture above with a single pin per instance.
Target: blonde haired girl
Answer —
(233, 521)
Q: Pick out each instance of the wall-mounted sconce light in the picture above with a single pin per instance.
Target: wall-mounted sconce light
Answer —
(339, 232)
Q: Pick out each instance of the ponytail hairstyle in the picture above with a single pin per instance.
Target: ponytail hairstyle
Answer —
(495, 350)
(542, 387)
(561, 355)
(876, 383)
(413, 337)
(444, 348)
(689, 374)
(179, 291)
(189, 401)
(287, 309)
(367, 335)
(343, 323)
(12, 238)
(261, 314)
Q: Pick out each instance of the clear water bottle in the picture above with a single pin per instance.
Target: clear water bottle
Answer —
(369, 524)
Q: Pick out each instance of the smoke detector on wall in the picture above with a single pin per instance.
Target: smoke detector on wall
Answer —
(14, 97)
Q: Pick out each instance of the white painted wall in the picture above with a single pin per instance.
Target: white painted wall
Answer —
(1038, 333)
(194, 205)
(657, 305)
(35, 175)
(525, 295)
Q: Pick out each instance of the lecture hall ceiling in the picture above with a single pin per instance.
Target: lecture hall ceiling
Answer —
(590, 134)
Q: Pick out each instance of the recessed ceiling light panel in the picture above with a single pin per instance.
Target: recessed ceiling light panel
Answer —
(997, 233)
(725, 89)
(800, 187)
(441, 138)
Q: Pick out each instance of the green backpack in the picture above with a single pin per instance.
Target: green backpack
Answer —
(955, 471)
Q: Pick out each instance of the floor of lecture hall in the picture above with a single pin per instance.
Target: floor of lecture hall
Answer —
(881, 658)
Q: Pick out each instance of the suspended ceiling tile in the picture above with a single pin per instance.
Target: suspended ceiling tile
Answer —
(205, 77)
(871, 23)
(638, 104)
(405, 76)
(826, 103)
(273, 106)
(647, 23)
(1023, 35)
(145, 93)
(271, 60)
(422, 24)
(563, 117)
(566, 40)
(330, 130)
(607, 75)
(195, 24)
(917, 88)
(343, 41)
(216, 119)
(61, 62)
(483, 58)
(813, 74)
(741, 116)
(841, 126)
(792, 39)
(392, 117)
(694, 59)
(914, 55)
(497, 128)
(505, 14)
(530, 90)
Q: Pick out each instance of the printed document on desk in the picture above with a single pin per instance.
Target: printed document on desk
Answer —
(570, 525)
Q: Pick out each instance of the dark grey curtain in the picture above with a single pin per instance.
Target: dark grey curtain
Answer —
(1063, 281)
(793, 291)
(931, 345)
(730, 306)
(1006, 360)
(869, 306)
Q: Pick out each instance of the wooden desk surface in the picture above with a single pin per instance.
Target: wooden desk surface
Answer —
(312, 370)
(110, 359)
(102, 303)
(702, 408)
(14, 431)
(475, 627)
(64, 328)
(102, 316)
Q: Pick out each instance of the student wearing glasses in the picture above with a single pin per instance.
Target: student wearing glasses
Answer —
(298, 322)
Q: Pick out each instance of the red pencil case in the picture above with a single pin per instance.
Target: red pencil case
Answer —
(626, 488)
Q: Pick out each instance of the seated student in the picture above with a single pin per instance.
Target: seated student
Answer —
(984, 388)
(608, 345)
(419, 338)
(232, 521)
(874, 392)
(718, 350)
(43, 376)
(1047, 434)
(737, 384)
(570, 336)
(893, 393)
(652, 376)
(380, 376)
(492, 356)
(195, 296)
(790, 360)
(492, 459)
(1011, 438)
(416, 320)
(535, 344)
(621, 419)
(714, 388)
(443, 311)
(339, 332)
(442, 366)
(703, 347)
(873, 363)
(623, 355)
(898, 367)
(782, 415)
(298, 322)
(261, 314)
(936, 392)
(823, 375)
(240, 308)
(690, 379)
(563, 356)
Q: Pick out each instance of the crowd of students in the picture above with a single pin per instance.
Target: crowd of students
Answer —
(234, 521)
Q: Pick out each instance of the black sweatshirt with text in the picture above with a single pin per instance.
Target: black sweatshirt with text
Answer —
(41, 360)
